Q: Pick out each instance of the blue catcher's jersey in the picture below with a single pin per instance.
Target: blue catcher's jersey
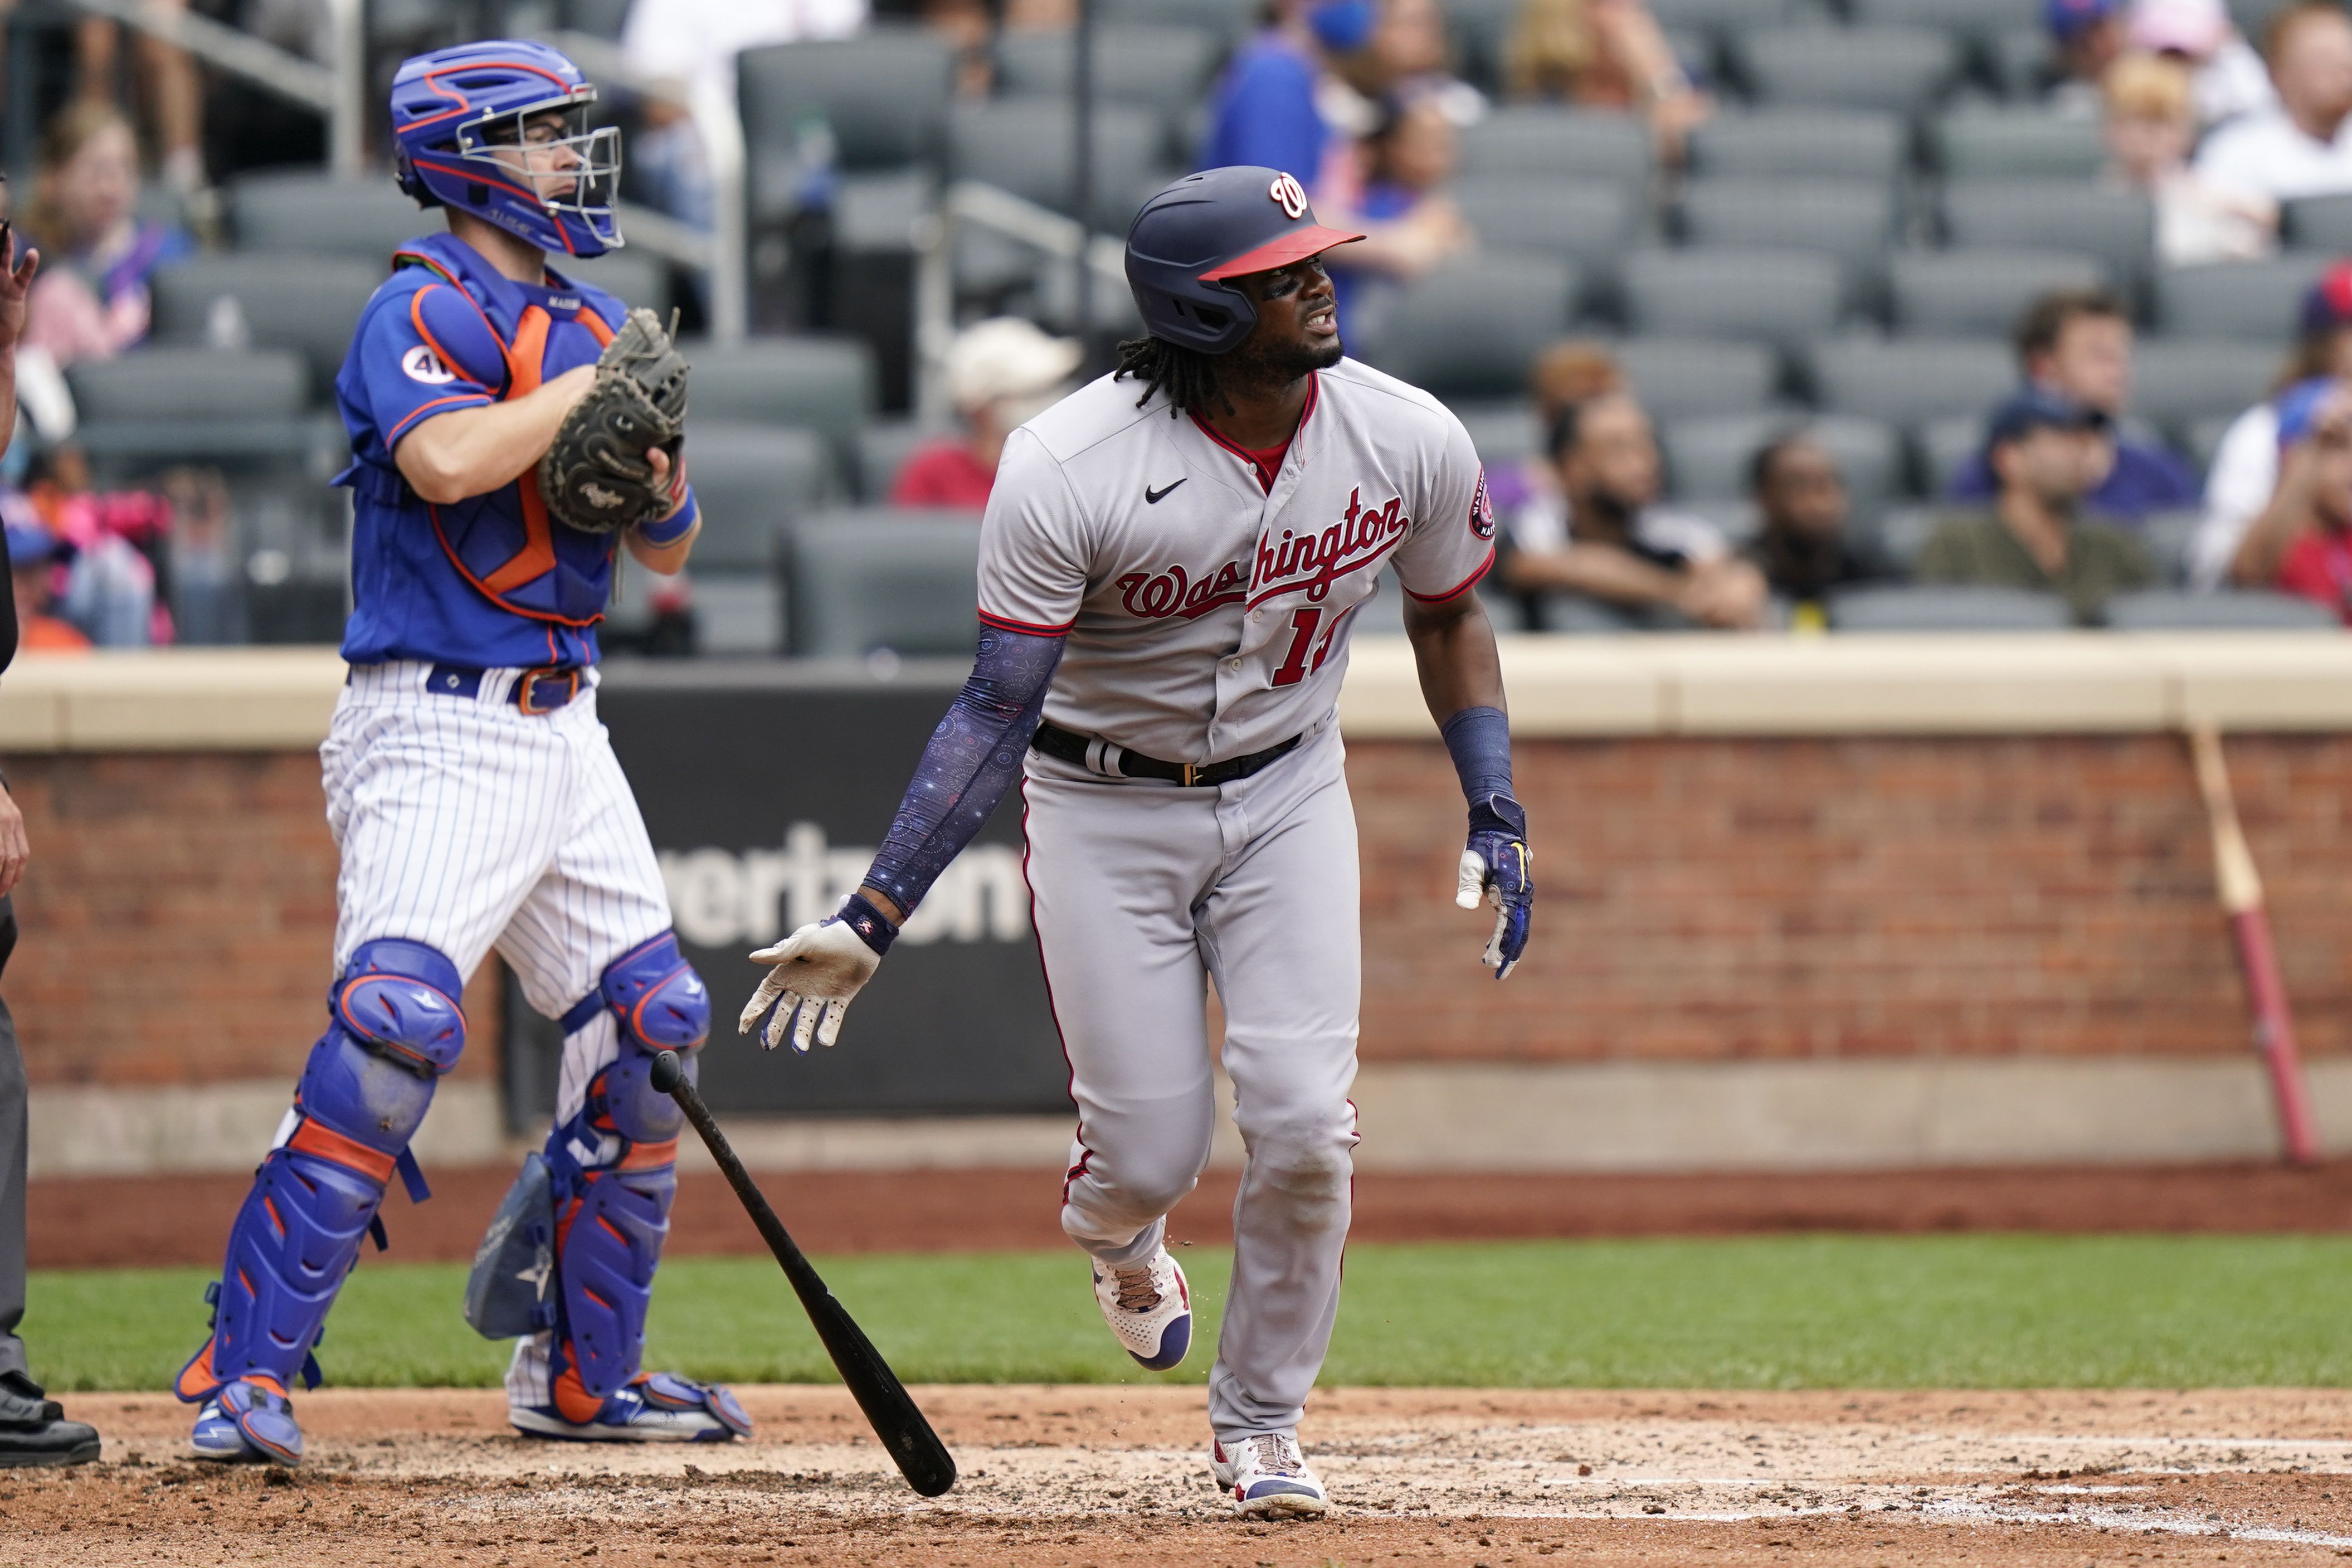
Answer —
(491, 580)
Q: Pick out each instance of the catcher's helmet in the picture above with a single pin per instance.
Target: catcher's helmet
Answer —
(453, 107)
(1206, 228)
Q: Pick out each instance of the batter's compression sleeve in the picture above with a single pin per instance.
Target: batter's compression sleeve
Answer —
(972, 760)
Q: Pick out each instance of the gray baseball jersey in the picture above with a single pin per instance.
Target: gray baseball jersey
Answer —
(1208, 615)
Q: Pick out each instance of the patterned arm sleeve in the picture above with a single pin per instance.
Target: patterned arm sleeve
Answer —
(972, 760)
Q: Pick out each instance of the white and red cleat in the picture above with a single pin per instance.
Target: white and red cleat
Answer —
(1148, 1306)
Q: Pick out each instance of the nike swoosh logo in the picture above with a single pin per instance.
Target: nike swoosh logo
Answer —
(1153, 498)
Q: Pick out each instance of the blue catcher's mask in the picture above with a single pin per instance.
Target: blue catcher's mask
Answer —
(498, 129)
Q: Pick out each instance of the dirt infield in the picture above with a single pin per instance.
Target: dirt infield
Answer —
(1059, 1478)
(101, 1222)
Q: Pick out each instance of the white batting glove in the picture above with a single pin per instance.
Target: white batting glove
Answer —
(817, 969)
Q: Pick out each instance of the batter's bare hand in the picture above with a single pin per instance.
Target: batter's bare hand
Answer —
(817, 971)
(14, 851)
(1498, 868)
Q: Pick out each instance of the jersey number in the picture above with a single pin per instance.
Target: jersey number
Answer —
(1303, 625)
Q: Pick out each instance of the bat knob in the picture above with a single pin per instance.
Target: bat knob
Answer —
(667, 1073)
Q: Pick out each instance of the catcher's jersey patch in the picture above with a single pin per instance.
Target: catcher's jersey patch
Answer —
(421, 364)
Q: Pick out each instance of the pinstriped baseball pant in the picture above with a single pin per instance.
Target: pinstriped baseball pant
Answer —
(1143, 893)
(468, 823)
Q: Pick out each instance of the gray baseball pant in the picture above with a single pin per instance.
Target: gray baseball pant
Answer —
(1144, 892)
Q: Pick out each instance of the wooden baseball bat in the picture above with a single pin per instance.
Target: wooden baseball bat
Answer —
(2240, 890)
(921, 1457)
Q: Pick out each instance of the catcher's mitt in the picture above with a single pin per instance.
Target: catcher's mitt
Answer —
(595, 476)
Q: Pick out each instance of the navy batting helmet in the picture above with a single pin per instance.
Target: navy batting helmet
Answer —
(1208, 227)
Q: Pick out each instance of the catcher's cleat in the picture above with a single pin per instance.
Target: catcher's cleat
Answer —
(1148, 1306)
(249, 1421)
(658, 1407)
(1268, 1478)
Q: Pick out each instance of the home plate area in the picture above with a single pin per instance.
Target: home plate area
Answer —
(1103, 1475)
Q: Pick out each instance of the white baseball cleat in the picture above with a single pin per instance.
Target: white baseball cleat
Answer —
(1148, 1306)
(1269, 1478)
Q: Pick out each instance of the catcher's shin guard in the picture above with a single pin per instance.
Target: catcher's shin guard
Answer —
(396, 1027)
(614, 1168)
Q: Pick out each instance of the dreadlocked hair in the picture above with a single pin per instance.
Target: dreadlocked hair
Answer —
(1187, 375)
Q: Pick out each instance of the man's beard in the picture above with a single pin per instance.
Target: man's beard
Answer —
(1278, 363)
(1610, 510)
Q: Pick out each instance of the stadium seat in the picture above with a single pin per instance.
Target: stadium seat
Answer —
(274, 300)
(1900, 70)
(1023, 146)
(825, 385)
(2201, 438)
(1481, 32)
(1942, 446)
(1906, 381)
(1711, 457)
(883, 95)
(1734, 517)
(1936, 609)
(299, 210)
(2023, 63)
(2118, 227)
(2321, 224)
(2257, 301)
(1771, 296)
(636, 277)
(1978, 144)
(2175, 384)
(883, 448)
(876, 577)
(1502, 430)
(1576, 615)
(190, 384)
(1853, 220)
(1801, 143)
(749, 478)
(1525, 141)
(1722, 15)
(1470, 328)
(2230, 610)
(1951, 16)
(1166, 70)
(1590, 221)
(2166, 535)
(1897, 535)
(1958, 293)
(1681, 377)
(1227, 20)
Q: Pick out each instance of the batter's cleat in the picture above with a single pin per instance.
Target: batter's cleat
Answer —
(1148, 1306)
(1268, 1478)
(249, 1421)
(658, 1407)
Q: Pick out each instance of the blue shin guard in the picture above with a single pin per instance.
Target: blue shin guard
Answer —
(395, 1028)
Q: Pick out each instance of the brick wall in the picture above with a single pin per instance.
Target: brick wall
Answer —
(1701, 899)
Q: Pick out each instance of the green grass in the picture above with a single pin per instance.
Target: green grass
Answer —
(1783, 1312)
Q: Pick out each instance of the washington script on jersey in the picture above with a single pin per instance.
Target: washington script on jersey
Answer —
(1360, 538)
(721, 898)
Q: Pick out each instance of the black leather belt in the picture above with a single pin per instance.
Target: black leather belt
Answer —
(535, 691)
(1117, 761)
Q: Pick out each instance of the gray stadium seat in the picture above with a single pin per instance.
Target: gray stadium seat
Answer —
(1946, 609)
(1590, 221)
(1680, 377)
(1162, 69)
(1710, 457)
(1470, 328)
(2023, 62)
(2231, 610)
(883, 448)
(2258, 302)
(1024, 145)
(1771, 296)
(1898, 69)
(281, 210)
(1853, 220)
(1943, 446)
(884, 94)
(1897, 535)
(2320, 223)
(1502, 430)
(2202, 437)
(875, 577)
(191, 383)
(1908, 380)
(825, 385)
(1576, 615)
(636, 277)
(1953, 293)
(2166, 536)
(1722, 15)
(2118, 227)
(747, 479)
(1952, 16)
(1481, 32)
(279, 299)
(1978, 144)
(1528, 141)
(2175, 384)
(1801, 143)
(1226, 19)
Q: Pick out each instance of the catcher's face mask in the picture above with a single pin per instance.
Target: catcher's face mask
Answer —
(571, 170)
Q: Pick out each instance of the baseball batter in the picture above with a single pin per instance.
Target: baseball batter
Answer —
(1170, 564)
(472, 791)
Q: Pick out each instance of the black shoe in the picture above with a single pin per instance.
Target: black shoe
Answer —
(33, 1430)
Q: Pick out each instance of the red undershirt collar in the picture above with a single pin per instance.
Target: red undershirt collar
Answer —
(1267, 461)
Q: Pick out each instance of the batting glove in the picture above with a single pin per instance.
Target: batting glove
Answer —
(817, 971)
(1498, 866)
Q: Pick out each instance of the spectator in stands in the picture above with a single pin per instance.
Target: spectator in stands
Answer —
(108, 584)
(1803, 548)
(1604, 53)
(167, 81)
(2151, 127)
(1412, 60)
(1573, 371)
(2301, 542)
(1604, 537)
(1001, 375)
(2302, 145)
(2076, 343)
(2227, 77)
(2245, 467)
(1409, 223)
(1268, 106)
(2044, 449)
(91, 300)
(33, 554)
(2086, 37)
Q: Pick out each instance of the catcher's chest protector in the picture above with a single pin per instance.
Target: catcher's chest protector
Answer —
(489, 331)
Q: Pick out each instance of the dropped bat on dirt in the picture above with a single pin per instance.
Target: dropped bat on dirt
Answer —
(921, 1457)
(2240, 889)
